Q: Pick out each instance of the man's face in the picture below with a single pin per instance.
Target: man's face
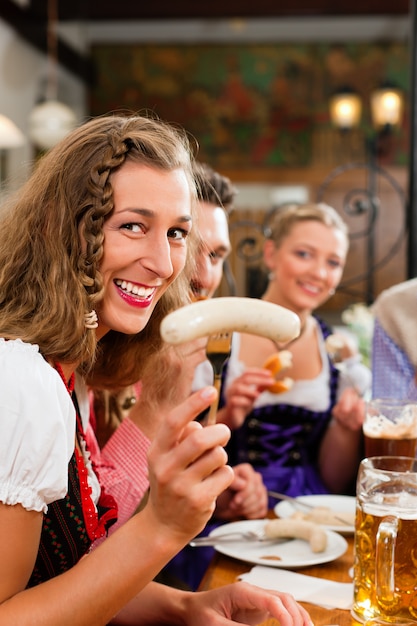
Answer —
(215, 247)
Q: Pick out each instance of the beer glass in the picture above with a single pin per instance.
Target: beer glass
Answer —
(385, 543)
(390, 428)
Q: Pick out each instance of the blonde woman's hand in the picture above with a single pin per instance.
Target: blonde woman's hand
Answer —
(241, 394)
(349, 411)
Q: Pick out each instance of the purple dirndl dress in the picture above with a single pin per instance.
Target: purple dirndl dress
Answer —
(282, 441)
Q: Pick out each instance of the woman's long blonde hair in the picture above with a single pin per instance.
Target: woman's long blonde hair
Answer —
(47, 283)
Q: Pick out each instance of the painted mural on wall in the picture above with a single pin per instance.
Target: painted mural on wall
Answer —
(250, 106)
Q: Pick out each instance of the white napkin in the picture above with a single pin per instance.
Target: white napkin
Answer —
(326, 593)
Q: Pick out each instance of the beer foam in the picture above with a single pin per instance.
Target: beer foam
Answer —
(379, 426)
(403, 506)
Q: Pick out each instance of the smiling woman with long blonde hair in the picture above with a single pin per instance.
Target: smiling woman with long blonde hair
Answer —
(306, 439)
(92, 253)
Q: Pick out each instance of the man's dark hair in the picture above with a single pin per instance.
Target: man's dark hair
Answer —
(213, 187)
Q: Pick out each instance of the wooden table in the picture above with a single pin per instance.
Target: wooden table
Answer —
(224, 570)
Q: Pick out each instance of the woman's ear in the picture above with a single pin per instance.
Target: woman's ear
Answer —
(269, 249)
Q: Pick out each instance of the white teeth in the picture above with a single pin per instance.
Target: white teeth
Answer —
(311, 288)
(142, 292)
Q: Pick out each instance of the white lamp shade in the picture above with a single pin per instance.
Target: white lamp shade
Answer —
(10, 135)
(345, 110)
(49, 122)
(387, 107)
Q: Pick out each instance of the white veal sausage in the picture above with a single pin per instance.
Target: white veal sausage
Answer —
(301, 529)
(245, 315)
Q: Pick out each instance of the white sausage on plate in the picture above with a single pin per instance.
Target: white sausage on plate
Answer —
(299, 529)
(245, 315)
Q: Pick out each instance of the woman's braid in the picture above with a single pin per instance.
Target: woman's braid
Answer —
(102, 204)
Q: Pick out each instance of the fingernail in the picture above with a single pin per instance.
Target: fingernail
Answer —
(208, 392)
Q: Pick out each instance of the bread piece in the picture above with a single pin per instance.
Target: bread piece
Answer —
(277, 363)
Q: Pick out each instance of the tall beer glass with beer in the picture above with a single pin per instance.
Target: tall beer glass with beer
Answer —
(385, 565)
(390, 428)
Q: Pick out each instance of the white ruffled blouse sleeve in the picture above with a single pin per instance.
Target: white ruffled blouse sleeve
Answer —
(37, 428)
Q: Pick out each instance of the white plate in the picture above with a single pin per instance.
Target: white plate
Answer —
(293, 553)
(338, 504)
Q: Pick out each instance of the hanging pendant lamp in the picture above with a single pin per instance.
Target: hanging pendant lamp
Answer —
(51, 120)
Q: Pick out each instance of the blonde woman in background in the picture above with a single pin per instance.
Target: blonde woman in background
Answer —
(306, 440)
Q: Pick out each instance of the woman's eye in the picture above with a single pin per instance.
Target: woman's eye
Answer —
(334, 263)
(303, 254)
(133, 227)
(178, 234)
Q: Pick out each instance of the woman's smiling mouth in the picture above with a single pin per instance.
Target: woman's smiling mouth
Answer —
(135, 295)
(314, 290)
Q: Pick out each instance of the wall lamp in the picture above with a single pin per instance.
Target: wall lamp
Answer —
(386, 103)
(345, 108)
(386, 110)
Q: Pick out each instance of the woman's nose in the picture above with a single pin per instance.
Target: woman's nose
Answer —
(321, 270)
(157, 258)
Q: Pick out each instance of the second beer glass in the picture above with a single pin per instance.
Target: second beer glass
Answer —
(390, 428)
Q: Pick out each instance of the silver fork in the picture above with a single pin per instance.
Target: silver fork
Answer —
(217, 351)
(247, 535)
(299, 503)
